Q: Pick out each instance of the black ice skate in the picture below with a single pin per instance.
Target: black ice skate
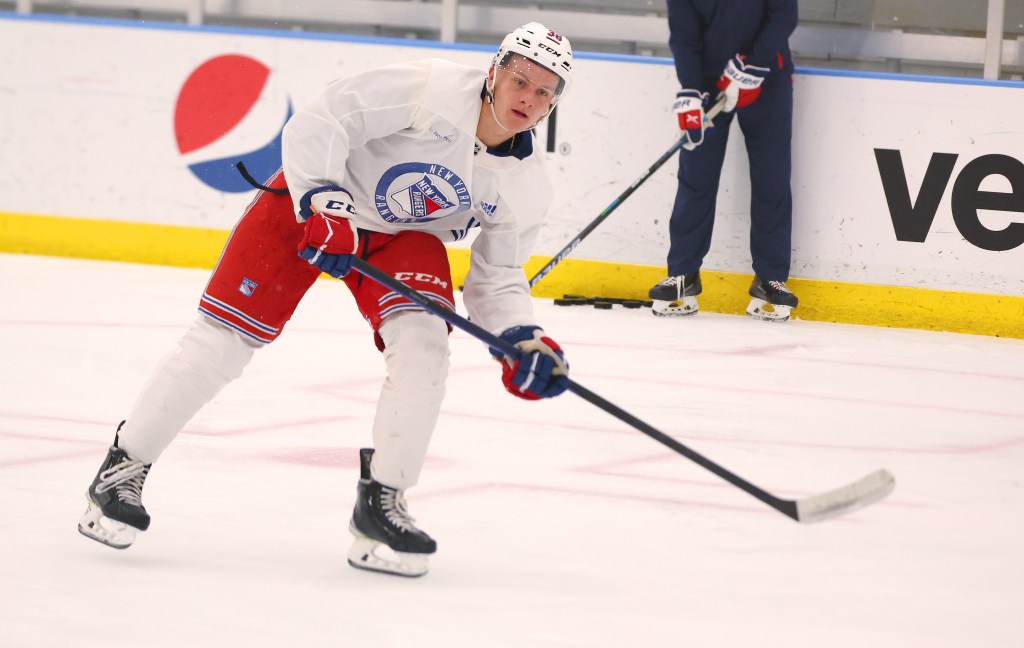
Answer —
(115, 510)
(386, 539)
(770, 300)
(676, 295)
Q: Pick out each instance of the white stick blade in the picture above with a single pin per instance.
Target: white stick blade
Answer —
(845, 499)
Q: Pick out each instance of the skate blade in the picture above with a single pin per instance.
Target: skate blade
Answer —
(678, 308)
(761, 310)
(375, 556)
(102, 529)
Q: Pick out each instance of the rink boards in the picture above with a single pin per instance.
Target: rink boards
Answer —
(908, 192)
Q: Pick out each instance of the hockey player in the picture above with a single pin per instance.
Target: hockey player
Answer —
(741, 50)
(388, 164)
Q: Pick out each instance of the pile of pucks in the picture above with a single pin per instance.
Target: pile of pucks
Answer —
(602, 303)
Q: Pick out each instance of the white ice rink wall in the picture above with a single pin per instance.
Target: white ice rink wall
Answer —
(898, 183)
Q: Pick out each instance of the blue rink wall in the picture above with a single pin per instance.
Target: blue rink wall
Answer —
(118, 139)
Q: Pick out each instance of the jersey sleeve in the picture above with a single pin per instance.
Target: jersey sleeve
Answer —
(351, 111)
(497, 293)
(780, 21)
(686, 42)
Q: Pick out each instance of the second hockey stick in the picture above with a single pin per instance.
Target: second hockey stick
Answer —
(814, 508)
(571, 245)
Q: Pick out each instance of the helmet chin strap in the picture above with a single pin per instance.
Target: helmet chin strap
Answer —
(489, 86)
(490, 102)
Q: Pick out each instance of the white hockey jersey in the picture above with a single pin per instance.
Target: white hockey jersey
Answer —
(402, 140)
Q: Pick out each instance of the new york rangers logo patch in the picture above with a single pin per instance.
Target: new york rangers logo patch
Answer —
(247, 287)
(421, 199)
(420, 192)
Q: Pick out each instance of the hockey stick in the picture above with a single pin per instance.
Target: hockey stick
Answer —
(814, 508)
(567, 250)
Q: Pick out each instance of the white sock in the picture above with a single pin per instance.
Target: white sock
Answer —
(416, 353)
(208, 357)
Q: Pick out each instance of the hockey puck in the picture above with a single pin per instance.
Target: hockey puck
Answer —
(632, 303)
(572, 301)
(603, 305)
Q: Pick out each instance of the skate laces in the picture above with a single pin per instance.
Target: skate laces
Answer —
(675, 281)
(393, 503)
(778, 286)
(127, 479)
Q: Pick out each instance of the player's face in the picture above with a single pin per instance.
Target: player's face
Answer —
(523, 92)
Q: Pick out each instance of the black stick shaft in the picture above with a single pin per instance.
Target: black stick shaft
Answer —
(567, 250)
(784, 506)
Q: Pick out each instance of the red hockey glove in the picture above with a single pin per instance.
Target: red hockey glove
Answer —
(741, 83)
(689, 108)
(540, 371)
(330, 238)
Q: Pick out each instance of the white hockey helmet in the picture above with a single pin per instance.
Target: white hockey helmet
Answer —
(544, 47)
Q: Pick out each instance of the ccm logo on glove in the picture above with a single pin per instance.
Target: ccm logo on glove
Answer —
(330, 199)
(337, 205)
(540, 371)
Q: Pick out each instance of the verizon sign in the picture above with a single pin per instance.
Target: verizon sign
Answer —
(912, 217)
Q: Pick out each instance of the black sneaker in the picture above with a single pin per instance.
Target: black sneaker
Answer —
(676, 287)
(774, 292)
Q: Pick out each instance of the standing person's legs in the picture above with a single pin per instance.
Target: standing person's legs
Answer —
(693, 214)
(767, 126)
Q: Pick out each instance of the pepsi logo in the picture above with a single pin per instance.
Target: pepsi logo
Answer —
(231, 109)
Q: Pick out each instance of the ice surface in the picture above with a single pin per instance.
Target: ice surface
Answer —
(557, 524)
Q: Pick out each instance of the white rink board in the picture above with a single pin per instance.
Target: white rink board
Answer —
(87, 130)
